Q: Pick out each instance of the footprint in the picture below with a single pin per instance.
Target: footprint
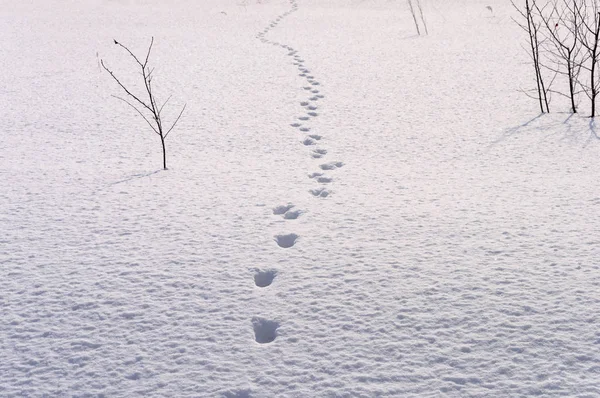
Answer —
(320, 192)
(314, 91)
(315, 137)
(304, 103)
(292, 214)
(315, 98)
(308, 142)
(286, 241)
(306, 88)
(324, 180)
(305, 70)
(295, 125)
(331, 165)
(279, 210)
(305, 129)
(312, 107)
(313, 114)
(265, 331)
(320, 96)
(302, 74)
(315, 83)
(310, 77)
(238, 394)
(264, 278)
(304, 118)
(316, 174)
(316, 155)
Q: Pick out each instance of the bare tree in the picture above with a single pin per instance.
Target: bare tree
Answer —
(414, 15)
(422, 16)
(563, 27)
(531, 25)
(149, 108)
(589, 36)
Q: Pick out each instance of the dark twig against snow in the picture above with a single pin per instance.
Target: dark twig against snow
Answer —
(148, 109)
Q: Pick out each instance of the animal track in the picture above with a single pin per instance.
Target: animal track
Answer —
(304, 118)
(304, 129)
(286, 241)
(282, 209)
(313, 114)
(312, 107)
(315, 137)
(308, 141)
(264, 278)
(313, 175)
(265, 331)
(324, 180)
(295, 125)
(286, 212)
(331, 165)
(292, 214)
(320, 192)
(304, 103)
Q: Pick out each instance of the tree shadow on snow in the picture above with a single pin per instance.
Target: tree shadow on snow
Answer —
(135, 176)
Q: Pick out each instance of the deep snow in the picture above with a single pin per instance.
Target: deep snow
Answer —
(423, 233)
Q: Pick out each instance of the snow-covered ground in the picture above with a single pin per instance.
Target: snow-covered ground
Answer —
(450, 247)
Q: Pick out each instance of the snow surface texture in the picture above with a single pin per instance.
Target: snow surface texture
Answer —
(350, 211)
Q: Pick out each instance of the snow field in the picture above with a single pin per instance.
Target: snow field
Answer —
(405, 227)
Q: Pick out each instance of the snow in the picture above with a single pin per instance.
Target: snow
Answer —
(445, 244)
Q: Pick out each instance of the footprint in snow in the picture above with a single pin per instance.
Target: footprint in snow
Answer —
(315, 137)
(305, 129)
(319, 153)
(314, 91)
(264, 278)
(295, 125)
(324, 180)
(237, 394)
(313, 175)
(331, 165)
(292, 214)
(287, 212)
(320, 192)
(312, 107)
(304, 118)
(308, 141)
(315, 98)
(307, 88)
(304, 103)
(282, 209)
(265, 331)
(286, 241)
(313, 114)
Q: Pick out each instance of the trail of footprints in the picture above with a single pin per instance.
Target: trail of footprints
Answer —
(265, 330)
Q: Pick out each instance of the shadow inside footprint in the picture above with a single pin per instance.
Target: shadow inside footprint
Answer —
(264, 278)
(282, 209)
(265, 331)
(324, 180)
(315, 137)
(331, 165)
(308, 142)
(237, 394)
(286, 241)
(292, 214)
(321, 192)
